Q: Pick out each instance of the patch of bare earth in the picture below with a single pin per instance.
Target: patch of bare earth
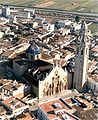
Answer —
(46, 4)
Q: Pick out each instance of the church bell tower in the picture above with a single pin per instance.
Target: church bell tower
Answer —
(81, 58)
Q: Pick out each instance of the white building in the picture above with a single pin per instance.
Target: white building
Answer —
(30, 10)
(63, 23)
(12, 108)
(12, 88)
(3, 20)
(93, 83)
(55, 109)
(1, 34)
(6, 11)
(23, 14)
(64, 31)
(48, 26)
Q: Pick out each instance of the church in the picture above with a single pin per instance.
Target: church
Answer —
(46, 79)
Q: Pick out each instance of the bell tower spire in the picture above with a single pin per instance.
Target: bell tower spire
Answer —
(81, 57)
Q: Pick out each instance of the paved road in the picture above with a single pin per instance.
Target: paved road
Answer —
(66, 12)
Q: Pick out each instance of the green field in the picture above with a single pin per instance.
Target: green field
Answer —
(71, 5)
(94, 28)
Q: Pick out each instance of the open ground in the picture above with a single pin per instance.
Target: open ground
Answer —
(70, 5)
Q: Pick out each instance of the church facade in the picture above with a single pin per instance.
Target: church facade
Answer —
(55, 82)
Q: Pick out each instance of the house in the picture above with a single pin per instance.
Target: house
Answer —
(14, 108)
(92, 65)
(1, 34)
(11, 88)
(94, 52)
(12, 52)
(20, 66)
(3, 20)
(89, 115)
(6, 11)
(25, 116)
(9, 54)
(48, 26)
(64, 31)
(62, 108)
(5, 111)
(56, 109)
(22, 14)
(93, 83)
(20, 48)
(63, 23)
(4, 28)
(17, 105)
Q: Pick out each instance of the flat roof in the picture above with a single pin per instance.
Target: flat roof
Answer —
(22, 62)
(93, 77)
(9, 54)
(4, 81)
(56, 105)
(89, 115)
(69, 105)
(10, 86)
(95, 48)
(24, 116)
(14, 103)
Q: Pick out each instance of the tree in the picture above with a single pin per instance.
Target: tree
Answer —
(77, 19)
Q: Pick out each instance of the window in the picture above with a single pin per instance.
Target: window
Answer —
(11, 93)
(86, 50)
(94, 87)
(78, 50)
(81, 52)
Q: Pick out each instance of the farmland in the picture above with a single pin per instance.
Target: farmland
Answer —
(70, 5)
